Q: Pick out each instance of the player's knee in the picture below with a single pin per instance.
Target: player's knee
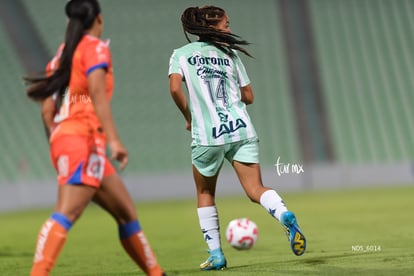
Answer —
(125, 215)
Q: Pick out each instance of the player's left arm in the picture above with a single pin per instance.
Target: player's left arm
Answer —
(246, 90)
(247, 95)
(102, 107)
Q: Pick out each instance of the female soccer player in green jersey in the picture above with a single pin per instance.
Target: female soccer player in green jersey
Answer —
(219, 90)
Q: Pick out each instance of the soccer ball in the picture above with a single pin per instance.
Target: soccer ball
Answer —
(242, 233)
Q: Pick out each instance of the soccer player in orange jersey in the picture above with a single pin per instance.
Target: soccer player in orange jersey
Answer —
(75, 99)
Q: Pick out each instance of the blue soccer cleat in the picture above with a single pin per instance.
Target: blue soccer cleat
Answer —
(216, 261)
(295, 236)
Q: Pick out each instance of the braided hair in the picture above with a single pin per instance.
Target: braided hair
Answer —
(199, 21)
(81, 15)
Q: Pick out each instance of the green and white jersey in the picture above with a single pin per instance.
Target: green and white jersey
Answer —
(213, 81)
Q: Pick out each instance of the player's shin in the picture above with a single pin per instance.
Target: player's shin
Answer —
(273, 203)
(209, 224)
(50, 242)
(138, 248)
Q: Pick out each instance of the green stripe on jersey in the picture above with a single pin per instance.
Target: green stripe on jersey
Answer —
(213, 81)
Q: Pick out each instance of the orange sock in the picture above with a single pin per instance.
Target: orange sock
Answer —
(50, 241)
(136, 245)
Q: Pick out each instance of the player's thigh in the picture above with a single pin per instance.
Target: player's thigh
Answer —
(71, 155)
(245, 160)
(250, 178)
(73, 199)
(114, 198)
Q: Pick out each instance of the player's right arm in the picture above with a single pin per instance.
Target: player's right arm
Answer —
(48, 107)
(179, 98)
(48, 112)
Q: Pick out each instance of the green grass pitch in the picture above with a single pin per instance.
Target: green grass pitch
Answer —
(349, 232)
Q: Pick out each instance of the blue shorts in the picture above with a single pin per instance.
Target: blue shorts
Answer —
(209, 159)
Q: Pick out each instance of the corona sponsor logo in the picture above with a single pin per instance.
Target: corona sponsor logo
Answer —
(200, 60)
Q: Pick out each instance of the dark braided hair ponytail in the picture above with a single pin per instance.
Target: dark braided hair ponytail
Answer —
(199, 21)
(81, 15)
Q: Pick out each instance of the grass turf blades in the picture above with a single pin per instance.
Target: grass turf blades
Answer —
(363, 232)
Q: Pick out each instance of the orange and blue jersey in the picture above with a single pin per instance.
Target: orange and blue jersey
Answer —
(76, 114)
(77, 142)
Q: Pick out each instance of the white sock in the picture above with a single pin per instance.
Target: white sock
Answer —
(209, 223)
(273, 203)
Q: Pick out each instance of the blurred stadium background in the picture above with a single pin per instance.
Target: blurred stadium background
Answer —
(333, 81)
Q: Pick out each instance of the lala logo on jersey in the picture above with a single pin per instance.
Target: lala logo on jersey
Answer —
(227, 127)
